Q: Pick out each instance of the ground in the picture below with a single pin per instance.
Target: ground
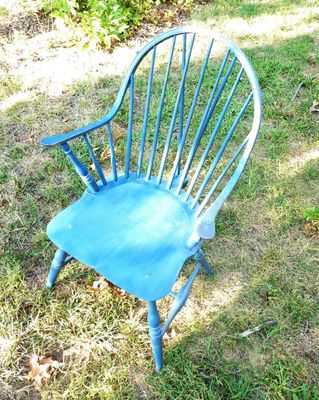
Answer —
(265, 253)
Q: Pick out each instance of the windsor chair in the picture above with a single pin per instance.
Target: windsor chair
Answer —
(177, 139)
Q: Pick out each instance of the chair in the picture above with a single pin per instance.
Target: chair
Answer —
(163, 161)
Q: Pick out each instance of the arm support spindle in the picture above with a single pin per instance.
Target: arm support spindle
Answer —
(84, 174)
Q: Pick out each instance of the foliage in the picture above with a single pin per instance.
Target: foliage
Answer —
(311, 214)
(101, 23)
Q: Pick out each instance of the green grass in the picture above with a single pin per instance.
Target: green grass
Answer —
(265, 252)
(250, 9)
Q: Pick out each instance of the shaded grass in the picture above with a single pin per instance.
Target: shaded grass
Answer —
(266, 263)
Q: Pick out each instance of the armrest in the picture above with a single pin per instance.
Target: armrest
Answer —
(65, 137)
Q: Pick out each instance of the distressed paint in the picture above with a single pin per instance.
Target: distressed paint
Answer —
(138, 222)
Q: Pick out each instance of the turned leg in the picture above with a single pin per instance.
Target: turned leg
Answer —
(155, 335)
(200, 257)
(56, 265)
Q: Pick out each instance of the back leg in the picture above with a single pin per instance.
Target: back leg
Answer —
(201, 258)
(56, 265)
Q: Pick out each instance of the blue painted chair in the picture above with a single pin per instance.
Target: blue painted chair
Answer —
(190, 106)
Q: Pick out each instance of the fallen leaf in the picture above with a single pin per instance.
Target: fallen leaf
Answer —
(105, 155)
(31, 139)
(41, 369)
(314, 108)
(98, 285)
(102, 283)
(169, 334)
(117, 291)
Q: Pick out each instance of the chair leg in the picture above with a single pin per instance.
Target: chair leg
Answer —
(56, 265)
(200, 257)
(155, 335)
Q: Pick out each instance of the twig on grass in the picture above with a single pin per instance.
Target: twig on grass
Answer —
(297, 91)
(250, 331)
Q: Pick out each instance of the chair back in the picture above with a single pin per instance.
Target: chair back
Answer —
(192, 106)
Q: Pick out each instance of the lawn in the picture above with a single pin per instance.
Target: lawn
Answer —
(265, 253)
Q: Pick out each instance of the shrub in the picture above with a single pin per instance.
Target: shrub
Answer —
(101, 22)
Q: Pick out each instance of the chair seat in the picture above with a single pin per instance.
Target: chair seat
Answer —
(132, 232)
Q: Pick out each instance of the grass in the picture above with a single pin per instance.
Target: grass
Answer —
(265, 253)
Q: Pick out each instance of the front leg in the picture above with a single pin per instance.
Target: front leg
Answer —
(56, 265)
(155, 334)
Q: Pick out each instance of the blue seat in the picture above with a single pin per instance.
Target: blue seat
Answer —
(135, 234)
(190, 107)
